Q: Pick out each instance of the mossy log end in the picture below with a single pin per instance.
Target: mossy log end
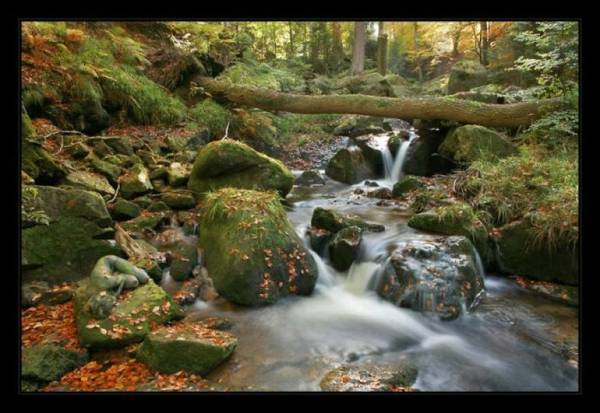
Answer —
(426, 108)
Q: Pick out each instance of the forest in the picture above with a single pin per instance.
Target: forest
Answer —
(309, 206)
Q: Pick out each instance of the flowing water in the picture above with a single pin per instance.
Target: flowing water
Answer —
(514, 340)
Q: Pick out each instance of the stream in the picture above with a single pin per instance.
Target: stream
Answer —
(514, 340)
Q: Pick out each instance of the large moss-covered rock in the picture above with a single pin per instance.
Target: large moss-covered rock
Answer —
(517, 252)
(350, 166)
(188, 346)
(228, 163)
(130, 319)
(472, 142)
(135, 181)
(334, 221)
(372, 151)
(49, 361)
(310, 177)
(466, 75)
(65, 250)
(68, 246)
(89, 181)
(35, 161)
(456, 219)
(344, 247)
(57, 203)
(178, 174)
(436, 276)
(265, 260)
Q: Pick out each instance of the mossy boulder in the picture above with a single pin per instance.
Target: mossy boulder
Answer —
(344, 247)
(372, 152)
(107, 169)
(518, 252)
(184, 257)
(136, 181)
(349, 166)
(40, 292)
(395, 141)
(73, 238)
(130, 319)
(472, 142)
(406, 184)
(49, 361)
(188, 347)
(146, 221)
(370, 378)
(438, 276)
(265, 260)
(178, 199)
(310, 177)
(456, 219)
(466, 75)
(57, 203)
(334, 221)
(35, 161)
(158, 206)
(89, 181)
(228, 163)
(79, 150)
(123, 210)
(178, 174)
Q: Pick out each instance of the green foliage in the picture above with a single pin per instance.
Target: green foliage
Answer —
(555, 59)
(538, 184)
(212, 115)
(262, 75)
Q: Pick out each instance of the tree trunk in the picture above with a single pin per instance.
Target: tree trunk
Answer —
(382, 51)
(337, 48)
(484, 43)
(419, 69)
(443, 108)
(292, 49)
(358, 48)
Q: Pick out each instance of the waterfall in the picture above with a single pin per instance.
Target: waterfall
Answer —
(396, 171)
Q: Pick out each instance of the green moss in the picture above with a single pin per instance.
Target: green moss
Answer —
(210, 114)
(349, 166)
(334, 221)
(192, 350)
(47, 362)
(229, 163)
(265, 243)
(406, 184)
(130, 320)
(472, 142)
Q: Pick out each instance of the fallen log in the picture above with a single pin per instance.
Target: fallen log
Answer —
(426, 108)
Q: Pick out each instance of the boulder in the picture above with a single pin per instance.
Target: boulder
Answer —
(178, 174)
(188, 347)
(107, 169)
(395, 141)
(372, 153)
(135, 181)
(380, 193)
(89, 181)
(456, 219)
(438, 276)
(518, 253)
(422, 157)
(147, 221)
(319, 238)
(178, 199)
(73, 238)
(123, 210)
(49, 361)
(184, 257)
(310, 177)
(79, 150)
(199, 139)
(158, 206)
(40, 292)
(228, 163)
(472, 142)
(334, 221)
(466, 75)
(344, 247)
(349, 166)
(354, 126)
(265, 260)
(130, 319)
(161, 172)
(119, 144)
(370, 378)
(406, 184)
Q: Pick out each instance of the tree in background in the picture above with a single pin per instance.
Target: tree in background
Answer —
(382, 41)
(358, 47)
